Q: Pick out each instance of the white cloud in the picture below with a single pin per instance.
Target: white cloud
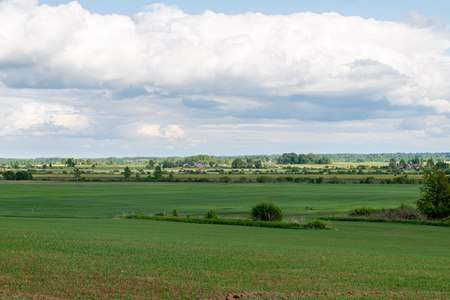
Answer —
(38, 118)
(164, 48)
(139, 130)
(245, 81)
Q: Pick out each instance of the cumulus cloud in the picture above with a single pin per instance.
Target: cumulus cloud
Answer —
(38, 118)
(226, 80)
(165, 49)
(140, 130)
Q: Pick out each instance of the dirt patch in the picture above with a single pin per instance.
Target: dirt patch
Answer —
(304, 294)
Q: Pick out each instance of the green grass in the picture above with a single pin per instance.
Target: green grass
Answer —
(106, 200)
(141, 259)
(83, 253)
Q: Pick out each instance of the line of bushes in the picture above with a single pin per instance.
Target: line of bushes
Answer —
(378, 220)
(316, 224)
(403, 212)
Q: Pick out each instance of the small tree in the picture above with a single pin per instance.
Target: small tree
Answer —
(158, 174)
(434, 201)
(127, 173)
(77, 173)
(210, 214)
(266, 211)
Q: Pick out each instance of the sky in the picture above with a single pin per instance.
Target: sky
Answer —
(141, 78)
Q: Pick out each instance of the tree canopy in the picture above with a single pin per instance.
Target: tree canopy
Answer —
(434, 201)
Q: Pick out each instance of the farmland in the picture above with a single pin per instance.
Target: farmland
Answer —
(64, 242)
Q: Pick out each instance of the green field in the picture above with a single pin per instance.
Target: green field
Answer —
(106, 200)
(82, 252)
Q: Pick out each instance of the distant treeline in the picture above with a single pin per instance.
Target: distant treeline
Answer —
(211, 160)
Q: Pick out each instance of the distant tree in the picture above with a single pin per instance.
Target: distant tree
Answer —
(238, 163)
(76, 173)
(415, 161)
(9, 175)
(171, 176)
(434, 201)
(430, 162)
(324, 160)
(138, 178)
(392, 164)
(23, 175)
(258, 164)
(158, 174)
(402, 163)
(71, 162)
(127, 173)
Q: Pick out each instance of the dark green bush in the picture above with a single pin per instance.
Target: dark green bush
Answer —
(262, 179)
(175, 212)
(362, 211)
(266, 211)
(210, 214)
(316, 224)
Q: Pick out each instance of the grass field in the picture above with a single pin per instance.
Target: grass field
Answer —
(82, 252)
(136, 259)
(107, 200)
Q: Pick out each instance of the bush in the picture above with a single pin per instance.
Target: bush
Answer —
(262, 179)
(316, 224)
(210, 214)
(266, 211)
(403, 212)
(362, 211)
(175, 212)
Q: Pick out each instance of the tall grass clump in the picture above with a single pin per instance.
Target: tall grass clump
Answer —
(210, 214)
(266, 211)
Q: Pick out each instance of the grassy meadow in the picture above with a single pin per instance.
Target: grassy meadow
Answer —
(60, 240)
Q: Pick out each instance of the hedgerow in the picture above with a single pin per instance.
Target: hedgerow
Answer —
(317, 224)
(416, 222)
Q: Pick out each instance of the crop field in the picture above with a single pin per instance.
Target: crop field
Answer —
(106, 199)
(60, 240)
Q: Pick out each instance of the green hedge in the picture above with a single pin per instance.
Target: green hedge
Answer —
(317, 224)
(417, 222)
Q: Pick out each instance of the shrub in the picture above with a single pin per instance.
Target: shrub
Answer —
(225, 179)
(160, 214)
(210, 214)
(262, 179)
(362, 211)
(316, 224)
(175, 212)
(188, 215)
(266, 211)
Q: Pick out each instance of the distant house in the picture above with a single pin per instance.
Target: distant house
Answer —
(198, 165)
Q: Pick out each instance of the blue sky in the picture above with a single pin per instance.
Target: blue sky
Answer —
(380, 10)
(223, 78)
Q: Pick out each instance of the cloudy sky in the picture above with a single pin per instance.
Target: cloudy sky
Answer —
(139, 78)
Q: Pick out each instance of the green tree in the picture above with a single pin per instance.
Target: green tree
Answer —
(434, 200)
(71, 162)
(77, 173)
(9, 175)
(238, 163)
(127, 173)
(158, 174)
(392, 164)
